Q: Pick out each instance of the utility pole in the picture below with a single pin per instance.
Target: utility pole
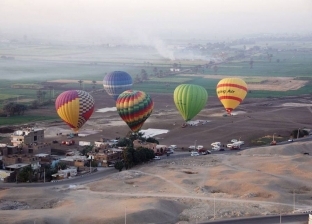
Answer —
(90, 163)
(125, 215)
(298, 133)
(294, 199)
(214, 207)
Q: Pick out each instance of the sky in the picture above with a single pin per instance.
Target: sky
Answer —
(137, 21)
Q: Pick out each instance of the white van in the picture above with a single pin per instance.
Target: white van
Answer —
(194, 154)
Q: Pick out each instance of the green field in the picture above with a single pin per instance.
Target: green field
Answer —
(24, 119)
(34, 64)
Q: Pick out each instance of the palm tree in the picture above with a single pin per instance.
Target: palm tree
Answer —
(43, 93)
(155, 70)
(80, 83)
(39, 95)
(94, 83)
(50, 92)
(251, 63)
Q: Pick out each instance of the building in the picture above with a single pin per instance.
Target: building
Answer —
(26, 144)
(158, 149)
(62, 174)
(27, 136)
(106, 157)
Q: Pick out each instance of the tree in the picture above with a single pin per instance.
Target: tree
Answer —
(39, 96)
(152, 140)
(20, 108)
(61, 166)
(137, 79)
(43, 94)
(299, 133)
(144, 75)
(124, 142)
(50, 92)
(155, 70)
(270, 57)
(119, 165)
(9, 109)
(215, 69)
(86, 149)
(251, 63)
(80, 83)
(25, 174)
(34, 104)
(93, 84)
(12, 108)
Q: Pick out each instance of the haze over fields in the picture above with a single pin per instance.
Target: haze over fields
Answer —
(148, 22)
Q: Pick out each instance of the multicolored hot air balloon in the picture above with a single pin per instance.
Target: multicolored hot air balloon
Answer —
(117, 82)
(231, 92)
(190, 100)
(74, 107)
(134, 107)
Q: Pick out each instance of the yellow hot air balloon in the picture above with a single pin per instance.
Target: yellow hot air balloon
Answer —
(74, 107)
(231, 92)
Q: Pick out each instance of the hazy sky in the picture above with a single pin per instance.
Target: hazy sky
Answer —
(138, 20)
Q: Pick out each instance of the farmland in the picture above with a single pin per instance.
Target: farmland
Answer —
(35, 64)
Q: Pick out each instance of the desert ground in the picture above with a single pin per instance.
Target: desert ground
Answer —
(249, 182)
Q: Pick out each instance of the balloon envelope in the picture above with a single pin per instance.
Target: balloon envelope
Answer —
(74, 107)
(134, 107)
(117, 82)
(231, 92)
(190, 100)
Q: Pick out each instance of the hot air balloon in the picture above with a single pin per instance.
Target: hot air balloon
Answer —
(134, 107)
(190, 100)
(117, 82)
(231, 92)
(74, 107)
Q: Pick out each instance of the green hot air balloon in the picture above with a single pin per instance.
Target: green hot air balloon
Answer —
(190, 100)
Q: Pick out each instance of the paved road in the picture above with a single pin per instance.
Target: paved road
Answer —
(293, 219)
(87, 178)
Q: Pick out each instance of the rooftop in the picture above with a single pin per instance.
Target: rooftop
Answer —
(17, 165)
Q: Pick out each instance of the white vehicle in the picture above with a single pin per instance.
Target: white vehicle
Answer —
(157, 157)
(216, 144)
(234, 140)
(170, 151)
(240, 142)
(229, 145)
(194, 154)
(216, 148)
(172, 147)
(192, 147)
(199, 147)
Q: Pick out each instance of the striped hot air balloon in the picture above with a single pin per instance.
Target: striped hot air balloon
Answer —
(134, 107)
(117, 82)
(74, 107)
(190, 100)
(231, 92)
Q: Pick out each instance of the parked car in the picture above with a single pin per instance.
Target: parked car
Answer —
(170, 151)
(221, 149)
(157, 157)
(215, 147)
(290, 140)
(173, 147)
(229, 145)
(234, 140)
(216, 144)
(194, 154)
(199, 147)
